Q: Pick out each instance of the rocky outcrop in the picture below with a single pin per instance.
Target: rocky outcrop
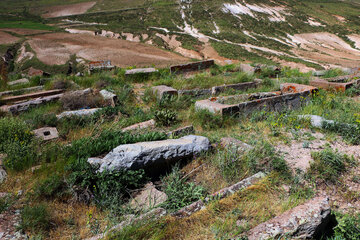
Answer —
(307, 221)
(152, 156)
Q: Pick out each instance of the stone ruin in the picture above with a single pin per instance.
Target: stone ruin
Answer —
(340, 83)
(290, 96)
(190, 67)
(46, 133)
(100, 66)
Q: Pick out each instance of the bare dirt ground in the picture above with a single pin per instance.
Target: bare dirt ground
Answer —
(56, 48)
(22, 31)
(67, 10)
(326, 48)
(6, 38)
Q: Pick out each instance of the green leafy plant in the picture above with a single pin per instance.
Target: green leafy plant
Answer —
(208, 120)
(180, 192)
(348, 227)
(52, 187)
(165, 117)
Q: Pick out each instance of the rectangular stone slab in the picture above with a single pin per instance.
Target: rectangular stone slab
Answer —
(12, 99)
(189, 67)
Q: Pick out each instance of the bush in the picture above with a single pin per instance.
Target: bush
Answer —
(20, 155)
(35, 219)
(348, 227)
(165, 117)
(52, 187)
(208, 120)
(180, 193)
(13, 130)
(329, 165)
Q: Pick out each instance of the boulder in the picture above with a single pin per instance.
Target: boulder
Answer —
(156, 155)
(46, 133)
(19, 81)
(162, 91)
(109, 96)
(232, 142)
(307, 221)
(148, 198)
(78, 113)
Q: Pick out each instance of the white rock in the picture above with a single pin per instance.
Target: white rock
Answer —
(78, 113)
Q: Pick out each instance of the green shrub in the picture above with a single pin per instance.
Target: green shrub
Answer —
(208, 120)
(180, 193)
(52, 187)
(348, 227)
(328, 165)
(165, 117)
(20, 155)
(333, 73)
(35, 219)
(13, 130)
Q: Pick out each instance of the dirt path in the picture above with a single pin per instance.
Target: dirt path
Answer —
(67, 10)
(56, 48)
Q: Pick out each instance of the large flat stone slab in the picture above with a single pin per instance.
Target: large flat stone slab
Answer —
(152, 155)
(189, 67)
(20, 107)
(13, 99)
(78, 113)
(307, 221)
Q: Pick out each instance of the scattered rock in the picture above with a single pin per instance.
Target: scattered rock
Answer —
(232, 142)
(148, 124)
(78, 113)
(162, 91)
(152, 156)
(307, 221)
(109, 96)
(46, 133)
(148, 198)
(182, 131)
(20, 81)
(247, 68)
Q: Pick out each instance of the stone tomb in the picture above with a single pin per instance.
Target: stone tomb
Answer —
(340, 83)
(190, 67)
(291, 96)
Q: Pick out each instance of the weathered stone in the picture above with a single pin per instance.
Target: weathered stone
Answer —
(292, 96)
(195, 92)
(182, 131)
(3, 174)
(28, 104)
(307, 221)
(78, 113)
(109, 96)
(232, 142)
(148, 124)
(237, 86)
(148, 198)
(200, 204)
(20, 81)
(141, 71)
(154, 155)
(247, 68)
(131, 219)
(46, 133)
(22, 90)
(338, 86)
(28, 96)
(36, 72)
(164, 91)
(189, 67)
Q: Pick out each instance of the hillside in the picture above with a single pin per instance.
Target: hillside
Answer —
(191, 119)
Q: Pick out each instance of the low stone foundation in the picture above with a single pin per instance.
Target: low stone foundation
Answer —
(189, 67)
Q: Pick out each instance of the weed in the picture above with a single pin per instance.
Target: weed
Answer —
(348, 227)
(180, 193)
(50, 188)
(230, 163)
(165, 117)
(208, 120)
(328, 165)
(35, 219)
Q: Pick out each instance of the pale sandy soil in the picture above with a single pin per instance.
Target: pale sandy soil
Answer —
(298, 156)
(67, 10)
(56, 48)
(356, 39)
(6, 38)
(22, 31)
(326, 48)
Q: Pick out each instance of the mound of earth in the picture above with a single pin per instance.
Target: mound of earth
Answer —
(67, 10)
(6, 38)
(56, 48)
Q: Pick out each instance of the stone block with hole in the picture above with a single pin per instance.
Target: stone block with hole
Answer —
(46, 133)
